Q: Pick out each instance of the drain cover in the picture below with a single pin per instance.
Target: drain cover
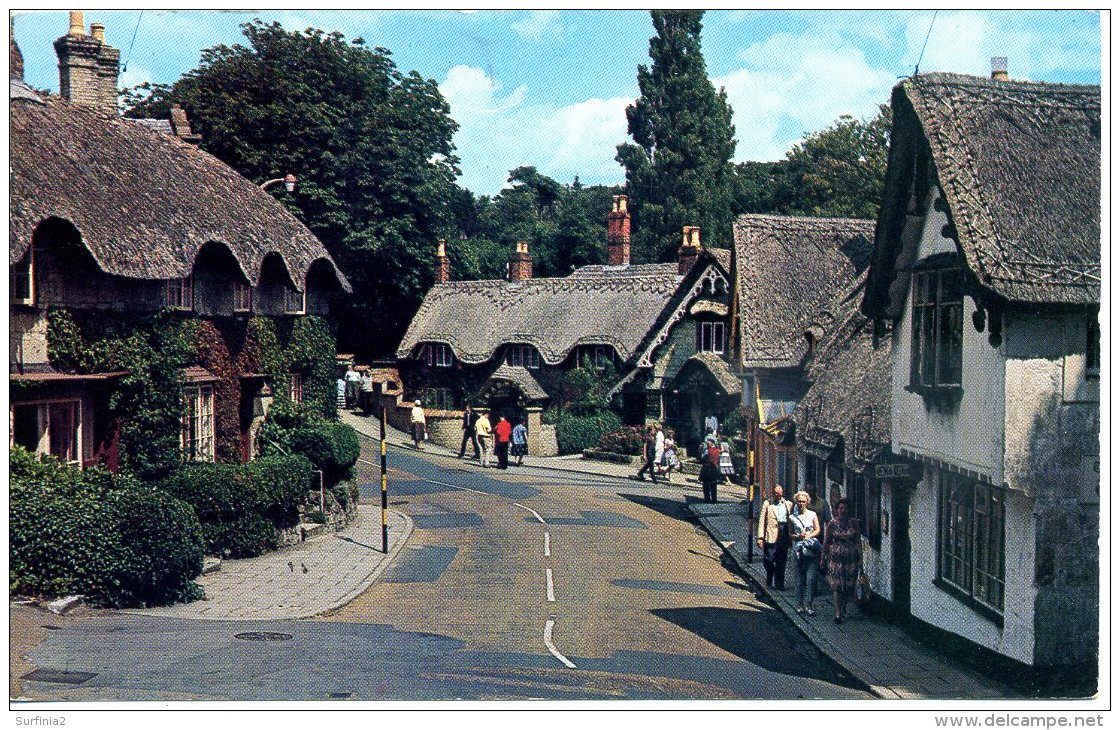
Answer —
(262, 636)
(59, 676)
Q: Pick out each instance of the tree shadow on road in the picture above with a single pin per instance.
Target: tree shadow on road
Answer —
(669, 507)
(761, 638)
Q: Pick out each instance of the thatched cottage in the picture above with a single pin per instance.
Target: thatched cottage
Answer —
(113, 219)
(986, 278)
(505, 344)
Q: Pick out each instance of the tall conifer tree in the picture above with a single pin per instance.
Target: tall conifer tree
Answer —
(678, 170)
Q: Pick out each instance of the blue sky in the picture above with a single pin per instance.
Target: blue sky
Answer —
(550, 88)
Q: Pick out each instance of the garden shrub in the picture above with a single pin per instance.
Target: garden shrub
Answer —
(628, 440)
(281, 484)
(92, 533)
(218, 492)
(346, 492)
(243, 537)
(295, 429)
(574, 433)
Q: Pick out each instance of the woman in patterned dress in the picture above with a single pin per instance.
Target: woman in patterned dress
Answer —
(841, 556)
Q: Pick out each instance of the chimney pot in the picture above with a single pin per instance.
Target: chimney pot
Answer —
(999, 68)
(618, 233)
(521, 263)
(77, 23)
(689, 251)
(97, 30)
(443, 263)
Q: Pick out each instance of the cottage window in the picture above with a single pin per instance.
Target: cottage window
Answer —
(711, 337)
(525, 356)
(22, 291)
(938, 313)
(866, 497)
(971, 544)
(1093, 347)
(595, 356)
(198, 424)
(440, 399)
(50, 428)
(180, 293)
(242, 297)
(295, 302)
(295, 387)
(437, 354)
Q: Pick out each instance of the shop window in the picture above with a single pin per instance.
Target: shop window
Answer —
(49, 427)
(938, 313)
(180, 293)
(198, 424)
(971, 546)
(866, 498)
(1092, 346)
(525, 356)
(711, 337)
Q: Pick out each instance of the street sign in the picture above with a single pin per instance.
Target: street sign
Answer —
(892, 471)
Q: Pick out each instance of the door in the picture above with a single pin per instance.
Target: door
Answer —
(900, 545)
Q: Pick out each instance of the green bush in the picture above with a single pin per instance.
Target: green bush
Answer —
(330, 446)
(104, 536)
(628, 440)
(281, 484)
(346, 492)
(574, 433)
(218, 492)
(244, 537)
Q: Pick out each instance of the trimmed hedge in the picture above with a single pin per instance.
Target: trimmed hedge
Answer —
(92, 533)
(575, 433)
(330, 446)
(627, 440)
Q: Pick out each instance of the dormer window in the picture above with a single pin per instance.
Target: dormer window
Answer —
(711, 337)
(23, 291)
(938, 315)
(180, 293)
(242, 297)
(437, 354)
(525, 356)
(295, 301)
(595, 356)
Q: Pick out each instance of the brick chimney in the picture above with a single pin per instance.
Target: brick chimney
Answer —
(15, 58)
(181, 126)
(999, 68)
(443, 263)
(521, 263)
(618, 233)
(87, 66)
(689, 251)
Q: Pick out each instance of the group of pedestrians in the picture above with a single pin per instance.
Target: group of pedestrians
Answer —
(796, 527)
(659, 456)
(352, 388)
(500, 440)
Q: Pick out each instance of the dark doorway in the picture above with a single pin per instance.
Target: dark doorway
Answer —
(900, 545)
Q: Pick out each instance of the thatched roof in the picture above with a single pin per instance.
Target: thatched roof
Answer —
(789, 270)
(1020, 167)
(595, 305)
(729, 382)
(523, 378)
(144, 202)
(850, 395)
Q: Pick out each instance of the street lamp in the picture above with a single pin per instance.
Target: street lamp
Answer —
(289, 181)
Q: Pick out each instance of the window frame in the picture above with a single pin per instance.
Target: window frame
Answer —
(242, 297)
(523, 355)
(972, 542)
(25, 273)
(1092, 345)
(711, 334)
(197, 399)
(179, 293)
(43, 415)
(295, 387)
(937, 315)
(289, 294)
(597, 357)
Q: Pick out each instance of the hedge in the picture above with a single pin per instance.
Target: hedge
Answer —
(110, 538)
(576, 433)
(330, 446)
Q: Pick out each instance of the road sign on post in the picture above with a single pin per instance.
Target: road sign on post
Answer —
(384, 490)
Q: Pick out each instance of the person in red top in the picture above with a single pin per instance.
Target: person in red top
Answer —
(502, 432)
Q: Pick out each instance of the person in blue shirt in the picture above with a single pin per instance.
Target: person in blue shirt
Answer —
(520, 441)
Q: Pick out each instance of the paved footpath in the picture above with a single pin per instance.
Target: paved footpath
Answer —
(880, 654)
(303, 580)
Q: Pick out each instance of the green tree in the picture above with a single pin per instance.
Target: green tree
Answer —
(372, 148)
(678, 170)
(838, 171)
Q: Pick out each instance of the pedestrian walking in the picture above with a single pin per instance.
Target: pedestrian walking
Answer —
(649, 450)
(469, 419)
(520, 442)
(419, 426)
(823, 512)
(804, 528)
(773, 537)
(726, 466)
(658, 446)
(502, 433)
(709, 477)
(365, 392)
(483, 433)
(670, 461)
(841, 557)
(340, 394)
(353, 385)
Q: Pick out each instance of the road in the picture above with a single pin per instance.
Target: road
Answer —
(523, 584)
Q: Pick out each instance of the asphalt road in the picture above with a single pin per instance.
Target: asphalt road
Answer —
(525, 584)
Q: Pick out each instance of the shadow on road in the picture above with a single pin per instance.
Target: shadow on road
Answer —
(669, 507)
(756, 637)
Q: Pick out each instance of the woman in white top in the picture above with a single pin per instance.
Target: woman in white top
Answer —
(804, 528)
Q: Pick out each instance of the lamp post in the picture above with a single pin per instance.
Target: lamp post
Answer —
(289, 181)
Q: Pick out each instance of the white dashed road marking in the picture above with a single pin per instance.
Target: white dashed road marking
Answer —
(548, 583)
(552, 647)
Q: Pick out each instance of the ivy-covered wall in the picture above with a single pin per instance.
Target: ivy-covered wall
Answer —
(147, 403)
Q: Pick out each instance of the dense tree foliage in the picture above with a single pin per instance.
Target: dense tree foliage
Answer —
(678, 169)
(371, 146)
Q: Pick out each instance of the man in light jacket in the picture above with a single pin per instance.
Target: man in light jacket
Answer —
(483, 432)
(773, 537)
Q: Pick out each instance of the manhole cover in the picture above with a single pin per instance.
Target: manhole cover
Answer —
(59, 676)
(262, 636)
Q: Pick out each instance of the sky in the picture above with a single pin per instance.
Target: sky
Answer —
(550, 88)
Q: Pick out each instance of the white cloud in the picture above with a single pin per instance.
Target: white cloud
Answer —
(538, 24)
(796, 84)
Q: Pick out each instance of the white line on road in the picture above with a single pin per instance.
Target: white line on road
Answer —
(548, 583)
(552, 647)
(539, 518)
(547, 548)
